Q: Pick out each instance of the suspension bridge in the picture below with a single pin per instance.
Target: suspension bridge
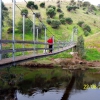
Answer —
(37, 47)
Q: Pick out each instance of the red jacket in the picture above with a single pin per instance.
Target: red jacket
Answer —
(50, 40)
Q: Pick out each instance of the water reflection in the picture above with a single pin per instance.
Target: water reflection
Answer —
(56, 88)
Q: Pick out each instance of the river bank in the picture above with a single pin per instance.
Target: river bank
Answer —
(65, 63)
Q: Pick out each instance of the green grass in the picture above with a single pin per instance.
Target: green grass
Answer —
(92, 55)
(63, 32)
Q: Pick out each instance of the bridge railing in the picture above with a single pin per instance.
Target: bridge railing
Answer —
(56, 46)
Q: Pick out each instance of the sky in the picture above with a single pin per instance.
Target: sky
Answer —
(94, 2)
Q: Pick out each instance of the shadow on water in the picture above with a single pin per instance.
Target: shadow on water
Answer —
(68, 88)
(42, 84)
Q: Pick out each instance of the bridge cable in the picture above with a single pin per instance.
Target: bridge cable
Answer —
(42, 22)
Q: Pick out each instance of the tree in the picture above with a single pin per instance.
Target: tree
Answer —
(61, 15)
(55, 23)
(42, 4)
(59, 10)
(35, 6)
(80, 46)
(38, 15)
(30, 5)
(80, 23)
(24, 11)
(51, 12)
(86, 4)
(69, 20)
(48, 21)
(4, 7)
(51, 6)
(63, 20)
(5, 13)
(28, 25)
(86, 27)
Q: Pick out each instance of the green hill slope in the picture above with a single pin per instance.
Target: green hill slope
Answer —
(64, 31)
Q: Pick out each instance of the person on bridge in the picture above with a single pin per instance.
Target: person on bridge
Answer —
(50, 42)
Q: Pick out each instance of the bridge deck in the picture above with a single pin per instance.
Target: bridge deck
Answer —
(18, 59)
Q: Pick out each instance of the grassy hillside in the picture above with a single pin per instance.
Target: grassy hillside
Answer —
(64, 31)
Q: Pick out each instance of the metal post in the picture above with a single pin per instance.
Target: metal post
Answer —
(23, 30)
(34, 31)
(45, 40)
(37, 37)
(13, 36)
(37, 33)
(58, 45)
(53, 44)
(0, 27)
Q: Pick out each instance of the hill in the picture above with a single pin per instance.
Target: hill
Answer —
(65, 30)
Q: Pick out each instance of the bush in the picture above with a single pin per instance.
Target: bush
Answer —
(69, 8)
(80, 23)
(42, 5)
(30, 5)
(24, 11)
(59, 10)
(86, 27)
(9, 30)
(38, 15)
(50, 12)
(28, 25)
(87, 12)
(55, 23)
(80, 46)
(86, 33)
(61, 15)
(69, 20)
(63, 20)
(48, 21)
(50, 6)
(36, 7)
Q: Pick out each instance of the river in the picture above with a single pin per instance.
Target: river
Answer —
(71, 85)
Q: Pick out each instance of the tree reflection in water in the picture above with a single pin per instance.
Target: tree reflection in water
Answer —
(42, 84)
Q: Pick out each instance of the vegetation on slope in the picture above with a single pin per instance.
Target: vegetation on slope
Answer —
(85, 12)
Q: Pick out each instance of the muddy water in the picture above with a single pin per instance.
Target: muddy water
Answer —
(78, 86)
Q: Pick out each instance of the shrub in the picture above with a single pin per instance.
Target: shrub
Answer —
(63, 20)
(9, 30)
(59, 10)
(80, 46)
(28, 25)
(86, 27)
(42, 4)
(36, 7)
(24, 11)
(30, 5)
(69, 8)
(87, 12)
(38, 14)
(48, 21)
(80, 23)
(61, 15)
(50, 12)
(51, 6)
(69, 20)
(55, 23)
(86, 33)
